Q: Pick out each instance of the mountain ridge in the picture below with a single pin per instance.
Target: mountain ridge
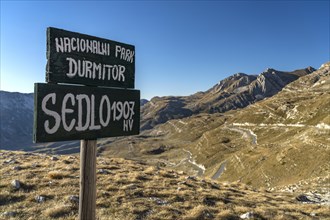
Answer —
(237, 88)
(236, 91)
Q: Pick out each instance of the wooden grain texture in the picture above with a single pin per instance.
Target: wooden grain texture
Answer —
(87, 196)
(58, 65)
(64, 103)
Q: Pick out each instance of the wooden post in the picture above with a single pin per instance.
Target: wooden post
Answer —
(87, 197)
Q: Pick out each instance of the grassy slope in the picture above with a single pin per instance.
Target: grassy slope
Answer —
(283, 154)
(131, 190)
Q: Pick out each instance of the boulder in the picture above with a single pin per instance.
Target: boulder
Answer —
(16, 184)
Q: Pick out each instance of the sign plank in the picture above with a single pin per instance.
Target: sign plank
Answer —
(66, 112)
(76, 58)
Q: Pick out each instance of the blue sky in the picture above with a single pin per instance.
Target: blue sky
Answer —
(181, 46)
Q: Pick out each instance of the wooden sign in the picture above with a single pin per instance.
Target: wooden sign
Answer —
(82, 59)
(68, 112)
(65, 112)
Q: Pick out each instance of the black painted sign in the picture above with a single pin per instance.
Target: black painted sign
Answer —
(66, 112)
(82, 59)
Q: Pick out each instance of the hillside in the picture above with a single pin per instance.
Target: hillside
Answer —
(279, 142)
(269, 160)
(38, 186)
(236, 91)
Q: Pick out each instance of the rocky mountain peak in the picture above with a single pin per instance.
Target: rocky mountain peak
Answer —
(231, 83)
(239, 74)
(271, 81)
(269, 70)
(310, 69)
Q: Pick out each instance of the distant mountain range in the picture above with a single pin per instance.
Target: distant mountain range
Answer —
(236, 91)
(16, 120)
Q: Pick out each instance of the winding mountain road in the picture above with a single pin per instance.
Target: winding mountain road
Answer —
(247, 133)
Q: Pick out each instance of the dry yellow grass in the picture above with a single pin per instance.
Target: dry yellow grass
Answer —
(56, 175)
(131, 190)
